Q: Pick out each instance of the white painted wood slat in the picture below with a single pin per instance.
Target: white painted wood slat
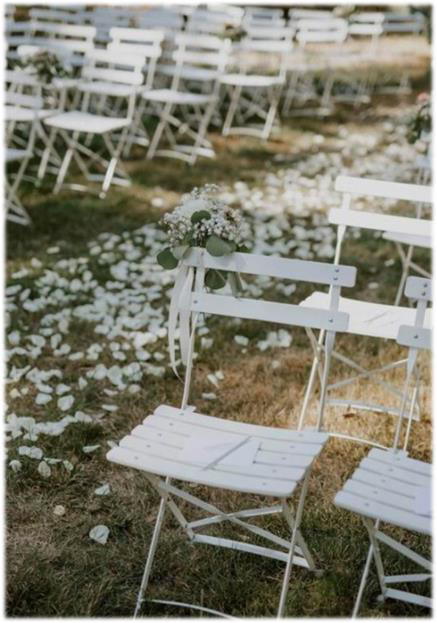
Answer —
(264, 432)
(213, 478)
(280, 267)
(379, 222)
(269, 311)
(383, 189)
(385, 513)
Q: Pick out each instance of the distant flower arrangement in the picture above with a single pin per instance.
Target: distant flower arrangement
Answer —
(203, 220)
(421, 122)
(46, 65)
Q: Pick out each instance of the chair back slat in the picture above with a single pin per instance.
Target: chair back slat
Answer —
(279, 267)
(115, 66)
(419, 288)
(383, 189)
(415, 337)
(380, 222)
(269, 311)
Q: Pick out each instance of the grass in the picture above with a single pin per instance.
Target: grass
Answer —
(53, 568)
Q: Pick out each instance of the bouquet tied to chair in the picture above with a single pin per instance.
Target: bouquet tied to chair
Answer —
(201, 221)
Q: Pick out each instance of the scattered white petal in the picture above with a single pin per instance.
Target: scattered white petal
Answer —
(89, 449)
(103, 490)
(44, 469)
(59, 510)
(99, 534)
(65, 403)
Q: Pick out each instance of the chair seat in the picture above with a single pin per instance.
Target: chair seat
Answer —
(13, 154)
(177, 97)
(387, 486)
(264, 460)
(18, 113)
(370, 319)
(242, 80)
(409, 239)
(86, 122)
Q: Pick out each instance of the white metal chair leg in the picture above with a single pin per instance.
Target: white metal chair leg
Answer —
(151, 553)
(287, 572)
(231, 110)
(363, 579)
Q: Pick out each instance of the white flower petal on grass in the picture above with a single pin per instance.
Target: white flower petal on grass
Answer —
(99, 534)
(44, 469)
(213, 379)
(89, 449)
(62, 389)
(53, 250)
(241, 340)
(209, 396)
(68, 465)
(133, 389)
(42, 399)
(206, 342)
(31, 451)
(82, 383)
(59, 510)
(15, 465)
(65, 403)
(110, 407)
(103, 490)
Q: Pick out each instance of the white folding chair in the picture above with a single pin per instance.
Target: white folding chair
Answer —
(254, 91)
(420, 196)
(318, 40)
(22, 154)
(173, 443)
(367, 319)
(165, 19)
(148, 43)
(110, 75)
(198, 63)
(390, 488)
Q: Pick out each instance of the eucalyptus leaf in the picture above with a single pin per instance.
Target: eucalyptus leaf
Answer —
(180, 251)
(218, 247)
(215, 279)
(166, 259)
(200, 215)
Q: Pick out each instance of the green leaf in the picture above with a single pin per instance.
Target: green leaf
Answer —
(180, 251)
(218, 247)
(200, 215)
(215, 279)
(166, 259)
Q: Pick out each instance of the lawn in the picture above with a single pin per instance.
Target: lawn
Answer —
(86, 307)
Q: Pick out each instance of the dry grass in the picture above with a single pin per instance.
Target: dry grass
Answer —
(54, 569)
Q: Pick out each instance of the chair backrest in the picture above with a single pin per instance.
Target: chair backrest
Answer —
(410, 23)
(266, 55)
(23, 90)
(201, 51)
(166, 19)
(297, 14)
(141, 42)
(366, 24)
(382, 188)
(270, 32)
(333, 30)
(54, 14)
(114, 66)
(416, 337)
(212, 20)
(334, 276)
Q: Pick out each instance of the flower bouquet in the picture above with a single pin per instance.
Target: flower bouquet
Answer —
(204, 221)
(45, 65)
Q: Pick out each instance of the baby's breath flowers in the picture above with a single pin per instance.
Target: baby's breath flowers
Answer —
(203, 220)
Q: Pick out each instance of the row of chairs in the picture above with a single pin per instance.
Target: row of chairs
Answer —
(180, 444)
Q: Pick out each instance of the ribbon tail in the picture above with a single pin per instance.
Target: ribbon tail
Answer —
(173, 314)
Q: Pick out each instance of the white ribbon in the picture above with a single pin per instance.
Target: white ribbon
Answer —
(180, 301)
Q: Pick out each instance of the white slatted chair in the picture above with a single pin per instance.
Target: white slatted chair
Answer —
(148, 43)
(213, 22)
(55, 14)
(15, 211)
(105, 18)
(165, 19)
(328, 35)
(254, 92)
(420, 196)
(197, 64)
(164, 445)
(112, 76)
(389, 487)
(371, 320)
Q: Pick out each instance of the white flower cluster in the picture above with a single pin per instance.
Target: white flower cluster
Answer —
(223, 221)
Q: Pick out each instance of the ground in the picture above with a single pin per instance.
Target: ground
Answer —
(87, 301)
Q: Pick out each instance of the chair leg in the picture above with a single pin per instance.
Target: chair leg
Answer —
(287, 573)
(63, 170)
(231, 111)
(363, 580)
(151, 554)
